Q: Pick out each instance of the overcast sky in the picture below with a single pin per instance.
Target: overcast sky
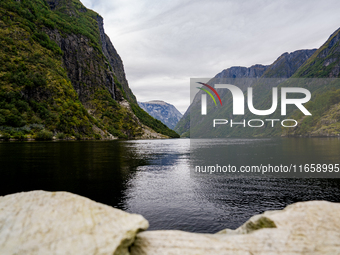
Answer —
(165, 43)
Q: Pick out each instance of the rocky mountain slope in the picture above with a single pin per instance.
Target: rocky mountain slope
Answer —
(255, 71)
(284, 67)
(60, 73)
(160, 110)
(325, 106)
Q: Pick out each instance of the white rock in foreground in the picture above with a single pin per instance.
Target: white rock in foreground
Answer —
(301, 228)
(40, 222)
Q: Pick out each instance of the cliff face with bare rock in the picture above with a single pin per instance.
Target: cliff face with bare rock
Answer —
(62, 75)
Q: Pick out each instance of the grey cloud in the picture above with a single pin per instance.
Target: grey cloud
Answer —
(165, 43)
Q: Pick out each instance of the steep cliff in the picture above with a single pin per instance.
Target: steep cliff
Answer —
(255, 71)
(61, 73)
(160, 110)
(288, 63)
(325, 62)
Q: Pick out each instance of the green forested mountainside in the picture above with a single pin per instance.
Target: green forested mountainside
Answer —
(325, 103)
(325, 62)
(183, 126)
(325, 119)
(60, 73)
(294, 69)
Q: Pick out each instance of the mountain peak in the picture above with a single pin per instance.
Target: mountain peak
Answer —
(165, 112)
(254, 71)
(288, 63)
(160, 102)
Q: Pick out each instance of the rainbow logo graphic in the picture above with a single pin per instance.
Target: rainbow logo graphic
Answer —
(208, 92)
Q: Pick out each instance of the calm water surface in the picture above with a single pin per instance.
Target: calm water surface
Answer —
(152, 178)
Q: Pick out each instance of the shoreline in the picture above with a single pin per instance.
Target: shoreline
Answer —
(154, 138)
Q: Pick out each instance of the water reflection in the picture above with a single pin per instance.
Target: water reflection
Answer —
(170, 199)
(153, 178)
(98, 170)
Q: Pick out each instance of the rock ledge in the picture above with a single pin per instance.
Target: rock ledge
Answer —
(40, 222)
(302, 228)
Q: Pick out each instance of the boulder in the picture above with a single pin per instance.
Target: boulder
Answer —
(40, 222)
(302, 228)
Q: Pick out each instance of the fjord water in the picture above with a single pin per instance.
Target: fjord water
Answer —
(152, 178)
